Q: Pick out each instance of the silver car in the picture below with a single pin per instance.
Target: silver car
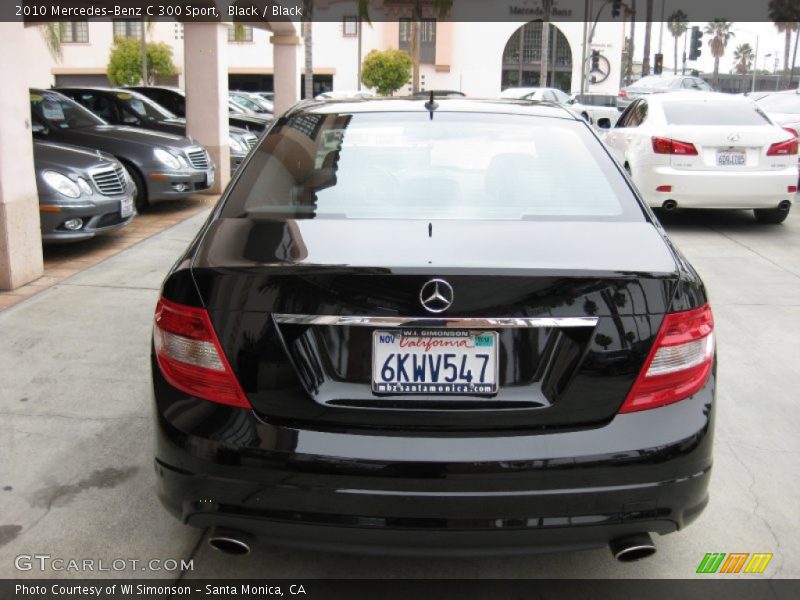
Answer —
(658, 84)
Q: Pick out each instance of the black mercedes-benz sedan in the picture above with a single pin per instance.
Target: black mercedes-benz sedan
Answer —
(81, 193)
(433, 327)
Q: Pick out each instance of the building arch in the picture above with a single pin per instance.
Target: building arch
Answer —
(522, 58)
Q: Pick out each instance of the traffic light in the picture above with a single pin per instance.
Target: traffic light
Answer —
(658, 64)
(595, 60)
(696, 44)
(616, 8)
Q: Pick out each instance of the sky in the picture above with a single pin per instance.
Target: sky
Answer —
(770, 41)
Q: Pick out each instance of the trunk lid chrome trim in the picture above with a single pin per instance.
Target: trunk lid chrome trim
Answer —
(446, 322)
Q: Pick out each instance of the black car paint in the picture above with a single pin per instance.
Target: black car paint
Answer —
(174, 100)
(563, 470)
(100, 213)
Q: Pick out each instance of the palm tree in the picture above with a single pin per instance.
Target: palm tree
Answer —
(647, 28)
(547, 9)
(785, 14)
(51, 32)
(677, 23)
(743, 55)
(720, 32)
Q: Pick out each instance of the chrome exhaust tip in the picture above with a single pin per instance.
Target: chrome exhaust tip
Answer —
(784, 205)
(669, 205)
(632, 547)
(230, 541)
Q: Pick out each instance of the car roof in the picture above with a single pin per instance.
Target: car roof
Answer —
(463, 105)
(691, 96)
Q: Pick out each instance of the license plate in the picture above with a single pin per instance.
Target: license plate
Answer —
(126, 207)
(445, 362)
(209, 178)
(731, 159)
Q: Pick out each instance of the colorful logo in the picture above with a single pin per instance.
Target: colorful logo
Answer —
(734, 562)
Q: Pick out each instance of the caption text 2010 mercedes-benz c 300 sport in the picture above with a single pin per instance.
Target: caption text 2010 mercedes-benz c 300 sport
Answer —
(433, 326)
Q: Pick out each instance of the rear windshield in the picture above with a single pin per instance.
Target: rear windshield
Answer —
(781, 103)
(408, 165)
(714, 113)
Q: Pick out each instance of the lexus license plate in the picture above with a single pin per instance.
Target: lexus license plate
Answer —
(732, 158)
(434, 362)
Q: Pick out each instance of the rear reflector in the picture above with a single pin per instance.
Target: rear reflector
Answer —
(668, 146)
(623, 94)
(785, 148)
(190, 356)
(664, 188)
(679, 362)
(792, 189)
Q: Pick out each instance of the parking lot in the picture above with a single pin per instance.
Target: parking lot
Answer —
(77, 479)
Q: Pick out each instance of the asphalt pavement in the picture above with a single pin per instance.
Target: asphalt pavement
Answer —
(76, 473)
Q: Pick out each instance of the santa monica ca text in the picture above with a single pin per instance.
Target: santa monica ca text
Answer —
(140, 589)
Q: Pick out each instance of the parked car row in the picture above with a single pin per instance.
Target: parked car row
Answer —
(102, 154)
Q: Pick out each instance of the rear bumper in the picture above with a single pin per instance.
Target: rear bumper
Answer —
(716, 189)
(453, 495)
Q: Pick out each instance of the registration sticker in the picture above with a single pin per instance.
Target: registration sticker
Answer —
(434, 362)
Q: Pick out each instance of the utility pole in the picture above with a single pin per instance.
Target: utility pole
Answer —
(629, 75)
(661, 29)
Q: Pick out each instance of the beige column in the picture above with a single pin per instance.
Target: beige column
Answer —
(286, 78)
(20, 235)
(205, 47)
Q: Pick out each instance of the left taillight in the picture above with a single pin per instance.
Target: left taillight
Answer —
(787, 148)
(190, 356)
(679, 362)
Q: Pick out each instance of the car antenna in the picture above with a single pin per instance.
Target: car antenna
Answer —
(431, 105)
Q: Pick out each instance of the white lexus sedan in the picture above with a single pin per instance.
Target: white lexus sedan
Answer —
(707, 150)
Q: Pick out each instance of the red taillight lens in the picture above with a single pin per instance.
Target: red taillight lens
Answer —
(679, 362)
(786, 148)
(623, 94)
(190, 356)
(668, 146)
(791, 130)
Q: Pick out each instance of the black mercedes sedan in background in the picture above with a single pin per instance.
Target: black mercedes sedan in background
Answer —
(174, 100)
(126, 107)
(81, 193)
(160, 165)
(433, 327)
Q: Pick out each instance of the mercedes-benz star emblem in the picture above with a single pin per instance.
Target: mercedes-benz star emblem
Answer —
(436, 295)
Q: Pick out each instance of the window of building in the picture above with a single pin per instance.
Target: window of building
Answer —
(74, 32)
(427, 39)
(127, 29)
(240, 33)
(350, 26)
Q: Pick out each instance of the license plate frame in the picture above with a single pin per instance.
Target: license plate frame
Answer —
(126, 207)
(725, 158)
(478, 342)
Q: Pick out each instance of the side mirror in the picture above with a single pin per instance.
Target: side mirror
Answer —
(604, 123)
(38, 128)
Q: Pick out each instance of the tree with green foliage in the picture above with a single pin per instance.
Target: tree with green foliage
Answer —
(386, 71)
(125, 62)
(677, 23)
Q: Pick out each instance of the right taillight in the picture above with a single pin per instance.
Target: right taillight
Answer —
(623, 93)
(786, 148)
(668, 146)
(679, 362)
(190, 356)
